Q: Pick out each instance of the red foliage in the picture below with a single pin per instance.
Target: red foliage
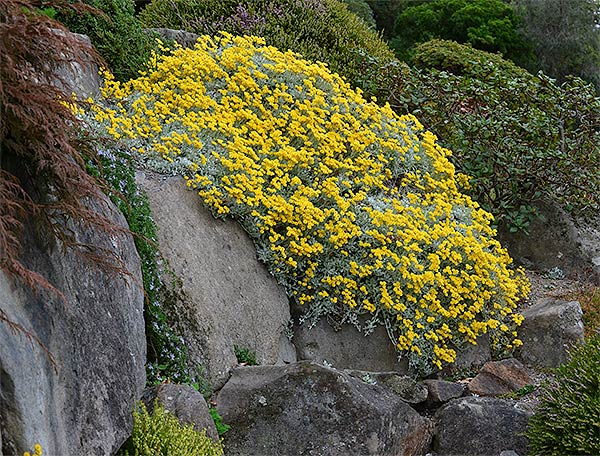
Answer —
(42, 169)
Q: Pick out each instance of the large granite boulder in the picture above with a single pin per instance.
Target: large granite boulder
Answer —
(185, 403)
(306, 408)
(473, 426)
(549, 329)
(228, 298)
(82, 403)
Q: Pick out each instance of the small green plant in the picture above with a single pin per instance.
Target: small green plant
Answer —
(567, 420)
(222, 428)
(527, 389)
(245, 355)
(161, 434)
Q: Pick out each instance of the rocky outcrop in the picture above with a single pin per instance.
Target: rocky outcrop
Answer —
(306, 408)
(82, 404)
(228, 297)
(472, 426)
(550, 327)
(185, 403)
(500, 377)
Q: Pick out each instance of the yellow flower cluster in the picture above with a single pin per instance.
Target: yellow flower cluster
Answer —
(354, 209)
(37, 451)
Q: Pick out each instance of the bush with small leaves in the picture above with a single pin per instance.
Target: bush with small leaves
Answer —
(115, 33)
(523, 139)
(161, 434)
(490, 25)
(320, 30)
(567, 420)
(362, 9)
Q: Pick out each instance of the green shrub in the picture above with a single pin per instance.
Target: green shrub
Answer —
(522, 138)
(356, 211)
(385, 13)
(116, 35)
(160, 434)
(463, 59)
(320, 30)
(567, 420)
(490, 25)
(362, 9)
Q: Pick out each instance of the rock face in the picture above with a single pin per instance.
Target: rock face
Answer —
(185, 39)
(80, 78)
(305, 408)
(184, 402)
(229, 298)
(96, 337)
(558, 240)
(549, 329)
(500, 377)
(345, 347)
(484, 426)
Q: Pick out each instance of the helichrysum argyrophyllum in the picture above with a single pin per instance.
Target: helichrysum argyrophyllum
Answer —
(354, 209)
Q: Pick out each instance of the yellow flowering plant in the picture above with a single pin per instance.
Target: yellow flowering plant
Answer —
(355, 210)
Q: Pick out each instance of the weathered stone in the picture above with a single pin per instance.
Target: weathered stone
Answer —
(79, 77)
(509, 453)
(557, 241)
(228, 297)
(500, 377)
(183, 38)
(480, 426)
(406, 387)
(305, 408)
(440, 391)
(83, 404)
(344, 347)
(184, 402)
(473, 356)
(550, 328)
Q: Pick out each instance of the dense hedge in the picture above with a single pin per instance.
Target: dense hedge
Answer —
(490, 25)
(320, 30)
